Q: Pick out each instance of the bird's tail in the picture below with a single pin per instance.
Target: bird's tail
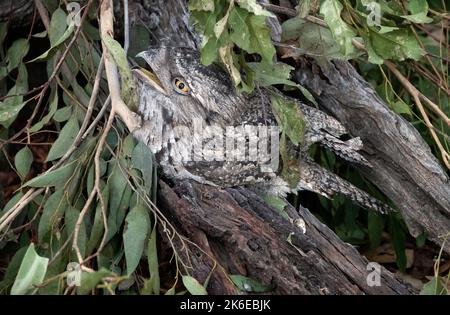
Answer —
(317, 179)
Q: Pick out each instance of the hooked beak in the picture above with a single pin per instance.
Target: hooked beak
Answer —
(148, 76)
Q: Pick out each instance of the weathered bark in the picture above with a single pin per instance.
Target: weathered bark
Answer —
(247, 237)
(18, 13)
(403, 166)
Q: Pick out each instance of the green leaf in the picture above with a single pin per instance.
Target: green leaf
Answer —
(269, 74)
(142, 159)
(398, 242)
(134, 236)
(117, 184)
(419, 11)
(201, 5)
(239, 32)
(11, 106)
(396, 45)
(53, 211)
(58, 25)
(126, 77)
(249, 285)
(42, 34)
(331, 10)
(16, 52)
(89, 280)
(289, 117)
(12, 269)
(401, 107)
(434, 287)
(31, 272)
(65, 139)
(210, 44)
(421, 240)
(260, 40)
(55, 47)
(62, 114)
(153, 266)
(277, 203)
(253, 7)
(417, 6)
(23, 160)
(418, 18)
(53, 178)
(12, 202)
(70, 219)
(220, 25)
(375, 229)
(306, 93)
(98, 225)
(193, 286)
(44, 120)
(274, 201)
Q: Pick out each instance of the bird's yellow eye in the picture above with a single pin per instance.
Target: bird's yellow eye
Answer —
(181, 86)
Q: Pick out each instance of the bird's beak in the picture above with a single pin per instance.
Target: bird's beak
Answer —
(150, 78)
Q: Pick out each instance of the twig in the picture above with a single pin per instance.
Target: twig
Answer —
(12, 213)
(130, 118)
(95, 190)
(126, 27)
(87, 117)
(417, 96)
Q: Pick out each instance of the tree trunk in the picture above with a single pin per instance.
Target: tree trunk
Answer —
(403, 166)
(245, 236)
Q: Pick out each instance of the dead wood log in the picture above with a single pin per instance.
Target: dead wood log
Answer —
(403, 166)
(247, 237)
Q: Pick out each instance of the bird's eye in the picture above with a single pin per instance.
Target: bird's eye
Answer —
(181, 86)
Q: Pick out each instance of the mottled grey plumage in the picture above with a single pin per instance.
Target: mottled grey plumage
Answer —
(212, 99)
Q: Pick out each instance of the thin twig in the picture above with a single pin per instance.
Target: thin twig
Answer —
(126, 27)
(130, 118)
(417, 96)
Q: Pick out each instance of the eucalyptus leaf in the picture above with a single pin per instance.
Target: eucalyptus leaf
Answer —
(142, 159)
(16, 52)
(23, 160)
(53, 178)
(134, 236)
(53, 211)
(193, 286)
(31, 272)
(127, 80)
(153, 265)
(55, 47)
(249, 285)
(65, 139)
(44, 120)
(11, 106)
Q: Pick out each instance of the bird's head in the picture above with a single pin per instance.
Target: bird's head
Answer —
(176, 81)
